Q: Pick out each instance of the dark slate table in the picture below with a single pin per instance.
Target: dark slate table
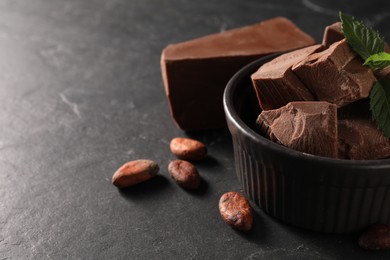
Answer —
(81, 94)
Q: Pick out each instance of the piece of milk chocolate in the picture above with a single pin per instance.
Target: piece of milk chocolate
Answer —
(195, 72)
(360, 139)
(332, 34)
(276, 85)
(336, 75)
(357, 109)
(336, 33)
(384, 73)
(309, 127)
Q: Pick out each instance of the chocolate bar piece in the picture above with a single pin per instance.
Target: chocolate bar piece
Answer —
(359, 136)
(336, 75)
(195, 72)
(309, 127)
(384, 73)
(332, 34)
(357, 109)
(360, 139)
(276, 85)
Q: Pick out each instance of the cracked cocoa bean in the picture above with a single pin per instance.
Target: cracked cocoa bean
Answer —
(376, 237)
(188, 149)
(236, 211)
(134, 172)
(185, 174)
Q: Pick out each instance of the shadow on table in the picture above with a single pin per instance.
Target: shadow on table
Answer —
(218, 138)
(200, 192)
(158, 185)
(207, 163)
(258, 233)
(146, 189)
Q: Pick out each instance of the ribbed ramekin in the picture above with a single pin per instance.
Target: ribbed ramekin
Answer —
(308, 191)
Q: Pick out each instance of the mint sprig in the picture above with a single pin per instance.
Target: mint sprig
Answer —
(378, 61)
(380, 105)
(369, 44)
(364, 40)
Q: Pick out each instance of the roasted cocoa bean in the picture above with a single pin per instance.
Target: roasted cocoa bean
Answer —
(188, 149)
(236, 211)
(185, 174)
(134, 172)
(376, 237)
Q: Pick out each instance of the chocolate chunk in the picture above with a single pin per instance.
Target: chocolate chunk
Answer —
(309, 127)
(359, 136)
(360, 139)
(336, 75)
(358, 109)
(332, 34)
(276, 85)
(384, 73)
(195, 72)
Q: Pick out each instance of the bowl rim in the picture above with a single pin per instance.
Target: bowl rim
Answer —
(231, 114)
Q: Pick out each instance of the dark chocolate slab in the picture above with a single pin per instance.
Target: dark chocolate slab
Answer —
(195, 72)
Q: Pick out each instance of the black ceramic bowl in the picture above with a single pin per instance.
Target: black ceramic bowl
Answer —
(308, 191)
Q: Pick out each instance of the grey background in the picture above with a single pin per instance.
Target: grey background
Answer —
(81, 94)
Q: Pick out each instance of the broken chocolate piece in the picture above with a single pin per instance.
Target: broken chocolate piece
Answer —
(384, 73)
(195, 72)
(333, 33)
(359, 136)
(360, 139)
(357, 109)
(336, 75)
(309, 127)
(264, 128)
(276, 85)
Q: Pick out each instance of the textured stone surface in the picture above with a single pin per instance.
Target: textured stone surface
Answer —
(81, 93)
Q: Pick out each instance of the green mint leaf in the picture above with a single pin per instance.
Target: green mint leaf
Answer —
(369, 44)
(378, 61)
(364, 40)
(380, 105)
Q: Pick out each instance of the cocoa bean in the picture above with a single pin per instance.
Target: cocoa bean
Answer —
(188, 149)
(376, 237)
(185, 174)
(134, 172)
(236, 211)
